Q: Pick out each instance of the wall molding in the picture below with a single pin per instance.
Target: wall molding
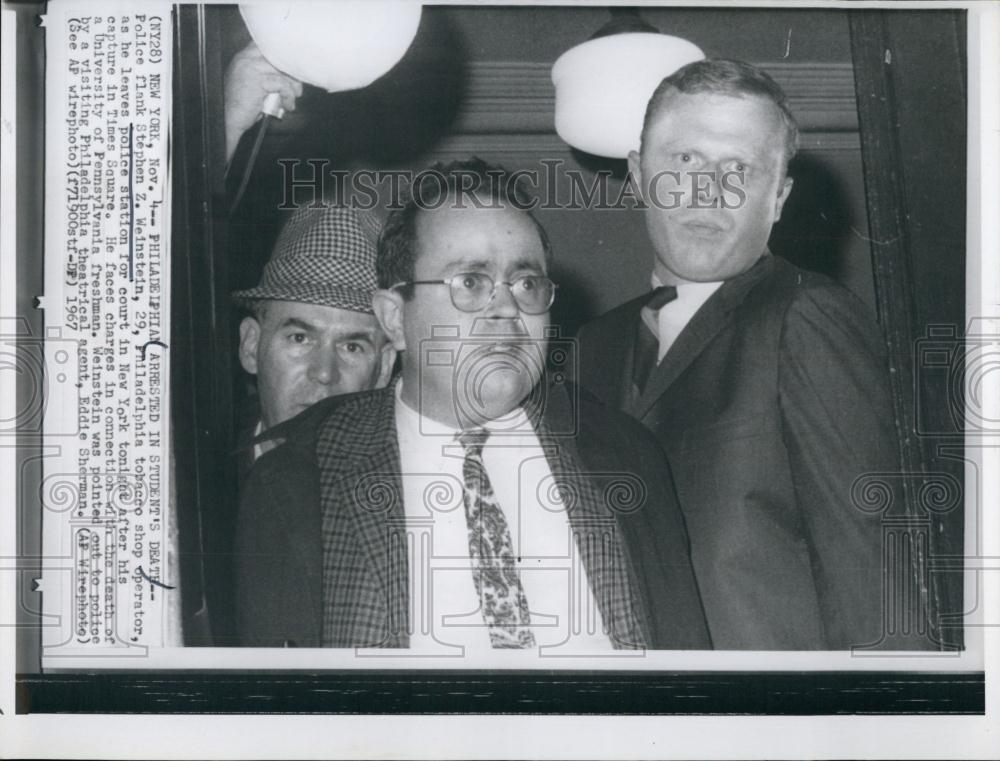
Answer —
(517, 97)
(536, 146)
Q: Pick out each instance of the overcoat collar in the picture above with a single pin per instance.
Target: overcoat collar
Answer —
(699, 332)
(363, 481)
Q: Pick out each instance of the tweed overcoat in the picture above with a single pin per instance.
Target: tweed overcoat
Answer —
(316, 557)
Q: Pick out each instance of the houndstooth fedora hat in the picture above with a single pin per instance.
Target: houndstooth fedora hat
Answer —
(323, 256)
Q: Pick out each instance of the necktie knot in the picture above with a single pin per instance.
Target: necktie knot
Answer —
(661, 296)
(473, 440)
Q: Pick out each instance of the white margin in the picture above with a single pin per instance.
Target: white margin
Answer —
(8, 397)
(616, 737)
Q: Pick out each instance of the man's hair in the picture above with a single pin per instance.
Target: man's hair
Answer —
(257, 308)
(470, 182)
(720, 76)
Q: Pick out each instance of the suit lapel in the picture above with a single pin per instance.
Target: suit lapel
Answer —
(598, 538)
(246, 423)
(699, 332)
(363, 452)
(612, 354)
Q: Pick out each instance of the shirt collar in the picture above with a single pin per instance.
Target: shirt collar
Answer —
(260, 448)
(656, 282)
(417, 424)
(693, 291)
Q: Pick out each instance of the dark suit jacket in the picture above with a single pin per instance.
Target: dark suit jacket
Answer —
(213, 621)
(769, 405)
(334, 482)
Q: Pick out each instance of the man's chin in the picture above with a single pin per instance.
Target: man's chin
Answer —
(297, 409)
(493, 397)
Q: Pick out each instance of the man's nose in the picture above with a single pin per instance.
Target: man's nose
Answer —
(324, 367)
(502, 303)
(707, 187)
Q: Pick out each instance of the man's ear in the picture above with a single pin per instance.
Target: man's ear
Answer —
(636, 171)
(249, 338)
(784, 190)
(388, 307)
(387, 361)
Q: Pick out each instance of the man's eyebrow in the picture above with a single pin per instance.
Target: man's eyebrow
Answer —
(296, 322)
(468, 265)
(358, 335)
(474, 265)
(526, 263)
(674, 143)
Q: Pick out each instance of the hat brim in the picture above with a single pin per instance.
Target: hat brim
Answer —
(337, 296)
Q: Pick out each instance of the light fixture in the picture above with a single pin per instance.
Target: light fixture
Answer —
(336, 46)
(603, 85)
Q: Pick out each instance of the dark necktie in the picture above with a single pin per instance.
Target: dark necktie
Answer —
(660, 297)
(646, 346)
(501, 596)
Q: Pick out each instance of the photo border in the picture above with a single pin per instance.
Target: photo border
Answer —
(780, 693)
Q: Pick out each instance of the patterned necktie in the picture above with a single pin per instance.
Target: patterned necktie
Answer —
(501, 596)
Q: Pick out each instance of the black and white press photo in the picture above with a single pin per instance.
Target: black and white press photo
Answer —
(398, 358)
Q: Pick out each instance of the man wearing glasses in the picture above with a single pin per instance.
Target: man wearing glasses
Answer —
(471, 506)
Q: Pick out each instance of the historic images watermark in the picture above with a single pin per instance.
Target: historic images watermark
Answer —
(475, 361)
(312, 182)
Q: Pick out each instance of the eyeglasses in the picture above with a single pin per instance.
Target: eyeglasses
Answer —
(472, 291)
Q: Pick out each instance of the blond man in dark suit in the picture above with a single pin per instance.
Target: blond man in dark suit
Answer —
(765, 384)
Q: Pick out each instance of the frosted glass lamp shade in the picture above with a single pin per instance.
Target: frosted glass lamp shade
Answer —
(603, 86)
(336, 46)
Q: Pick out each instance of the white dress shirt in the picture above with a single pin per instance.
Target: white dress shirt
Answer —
(667, 323)
(261, 449)
(444, 607)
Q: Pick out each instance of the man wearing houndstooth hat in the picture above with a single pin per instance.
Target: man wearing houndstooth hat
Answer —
(311, 332)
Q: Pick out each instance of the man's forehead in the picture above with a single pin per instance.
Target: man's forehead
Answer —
(471, 210)
(714, 105)
(752, 120)
(498, 233)
(319, 315)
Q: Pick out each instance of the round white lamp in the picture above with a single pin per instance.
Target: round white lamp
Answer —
(336, 46)
(603, 85)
